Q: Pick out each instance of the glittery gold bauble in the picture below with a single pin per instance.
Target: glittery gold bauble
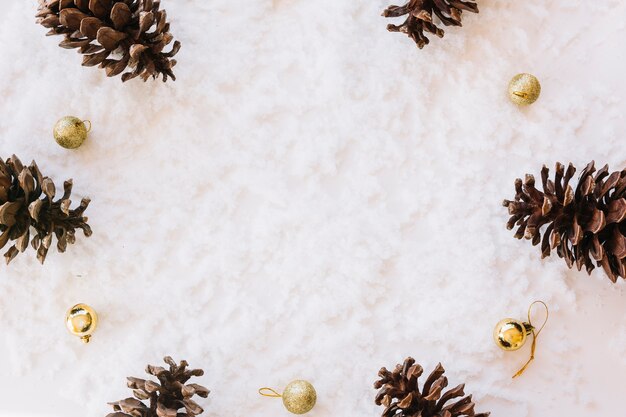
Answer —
(299, 397)
(511, 334)
(70, 132)
(524, 89)
(81, 320)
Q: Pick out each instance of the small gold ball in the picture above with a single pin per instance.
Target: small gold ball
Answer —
(510, 334)
(70, 132)
(81, 320)
(299, 397)
(524, 89)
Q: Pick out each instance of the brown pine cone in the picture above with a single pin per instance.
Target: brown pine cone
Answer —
(420, 17)
(166, 397)
(585, 225)
(23, 206)
(114, 34)
(399, 392)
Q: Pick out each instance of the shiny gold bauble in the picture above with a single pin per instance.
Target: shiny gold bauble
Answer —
(299, 397)
(524, 89)
(81, 320)
(70, 132)
(511, 334)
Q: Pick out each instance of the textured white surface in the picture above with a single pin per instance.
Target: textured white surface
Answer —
(315, 198)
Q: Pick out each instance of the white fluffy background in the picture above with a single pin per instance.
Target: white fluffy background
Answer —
(315, 198)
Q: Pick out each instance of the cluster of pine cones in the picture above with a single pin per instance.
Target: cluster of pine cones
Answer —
(398, 391)
(117, 35)
(585, 223)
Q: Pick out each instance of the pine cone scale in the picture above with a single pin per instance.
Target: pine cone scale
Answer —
(458, 391)
(442, 6)
(89, 27)
(71, 18)
(8, 212)
(617, 211)
(406, 401)
(109, 38)
(4, 238)
(120, 15)
(434, 376)
(461, 5)
(100, 8)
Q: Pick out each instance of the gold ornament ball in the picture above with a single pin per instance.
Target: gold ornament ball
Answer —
(299, 397)
(81, 320)
(524, 89)
(70, 132)
(510, 334)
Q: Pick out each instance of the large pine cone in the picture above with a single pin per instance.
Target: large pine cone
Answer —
(420, 17)
(584, 224)
(27, 200)
(166, 397)
(399, 392)
(135, 30)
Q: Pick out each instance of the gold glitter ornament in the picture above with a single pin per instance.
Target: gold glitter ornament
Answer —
(70, 132)
(511, 334)
(524, 89)
(299, 397)
(81, 320)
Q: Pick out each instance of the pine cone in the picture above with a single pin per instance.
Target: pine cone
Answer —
(101, 29)
(167, 397)
(22, 206)
(584, 225)
(400, 394)
(420, 17)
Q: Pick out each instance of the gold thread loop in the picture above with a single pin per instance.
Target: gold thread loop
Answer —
(534, 334)
(520, 94)
(89, 128)
(272, 393)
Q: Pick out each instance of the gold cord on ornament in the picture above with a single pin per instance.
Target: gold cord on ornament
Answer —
(89, 128)
(272, 393)
(535, 335)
